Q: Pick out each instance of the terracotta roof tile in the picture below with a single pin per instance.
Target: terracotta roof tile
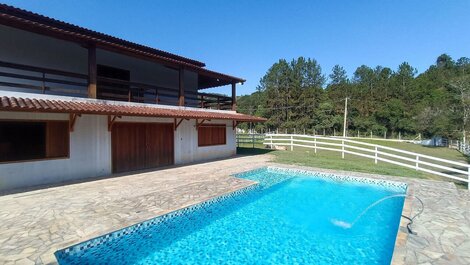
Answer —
(87, 107)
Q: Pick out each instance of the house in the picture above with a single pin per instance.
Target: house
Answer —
(76, 103)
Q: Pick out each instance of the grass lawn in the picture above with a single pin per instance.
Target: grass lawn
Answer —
(332, 160)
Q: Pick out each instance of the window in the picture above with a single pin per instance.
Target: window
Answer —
(30, 140)
(212, 134)
(113, 83)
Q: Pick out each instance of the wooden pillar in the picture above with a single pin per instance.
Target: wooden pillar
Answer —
(92, 72)
(181, 87)
(234, 96)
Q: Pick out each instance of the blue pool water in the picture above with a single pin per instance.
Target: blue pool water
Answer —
(287, 219)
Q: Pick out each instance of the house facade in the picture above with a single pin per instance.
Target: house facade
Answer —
(75, 103)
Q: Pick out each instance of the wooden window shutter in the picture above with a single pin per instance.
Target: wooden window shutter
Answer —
(212, 134)
(57, 139)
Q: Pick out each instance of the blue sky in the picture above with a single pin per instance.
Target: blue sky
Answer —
(244, 38)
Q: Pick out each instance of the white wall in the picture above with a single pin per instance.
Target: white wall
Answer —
(187, 149)
(90, 150)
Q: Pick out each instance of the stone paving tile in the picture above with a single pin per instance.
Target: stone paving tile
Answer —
(35, 224)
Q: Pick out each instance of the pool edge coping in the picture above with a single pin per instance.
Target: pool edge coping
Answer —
(399, 249)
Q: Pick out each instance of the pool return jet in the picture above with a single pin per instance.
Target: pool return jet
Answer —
(346, 225)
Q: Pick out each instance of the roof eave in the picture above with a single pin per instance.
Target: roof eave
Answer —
(85, 107)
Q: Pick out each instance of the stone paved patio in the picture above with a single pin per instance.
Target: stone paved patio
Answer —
(35, 224)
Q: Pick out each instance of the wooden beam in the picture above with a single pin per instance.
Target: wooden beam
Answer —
(198, 124)
(234, 124)
(177, 123)
(234, 96)
(72, 119)
(92, 72)
(181, 87)
(111, 121)
(202, 101)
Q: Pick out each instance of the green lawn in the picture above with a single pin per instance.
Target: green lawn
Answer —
(332, 160)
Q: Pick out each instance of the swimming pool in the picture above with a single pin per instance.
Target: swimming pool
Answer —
(285, 219)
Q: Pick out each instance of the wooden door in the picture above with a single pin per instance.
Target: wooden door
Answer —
(160, 145)
(128, 146)
(141, 145)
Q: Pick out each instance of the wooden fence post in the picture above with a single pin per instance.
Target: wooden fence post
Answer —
(315, 144)
(376, 154)
(342, 148)
(417, 162)
(468, 183)
(292, 143)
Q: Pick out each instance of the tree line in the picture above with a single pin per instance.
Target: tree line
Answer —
(297, 94)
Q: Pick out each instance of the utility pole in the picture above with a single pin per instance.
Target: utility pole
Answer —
(345, 116)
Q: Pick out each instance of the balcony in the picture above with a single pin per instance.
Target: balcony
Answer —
(26, 78)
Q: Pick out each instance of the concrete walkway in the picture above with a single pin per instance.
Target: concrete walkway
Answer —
(35, 224)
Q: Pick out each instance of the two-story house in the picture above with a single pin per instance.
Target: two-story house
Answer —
(76, 103)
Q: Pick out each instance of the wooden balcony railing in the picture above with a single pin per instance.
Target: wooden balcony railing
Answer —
(44, 80)
(50, 81)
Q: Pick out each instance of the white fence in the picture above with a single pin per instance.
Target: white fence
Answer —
(250, 139)
(442, 167)
(463, 148)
